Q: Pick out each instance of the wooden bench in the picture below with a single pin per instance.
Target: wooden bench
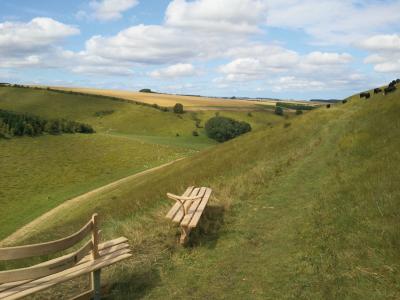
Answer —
(88, 259)
(188, 209)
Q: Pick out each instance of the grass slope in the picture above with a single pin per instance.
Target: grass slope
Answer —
(40, 173)
(308, 210)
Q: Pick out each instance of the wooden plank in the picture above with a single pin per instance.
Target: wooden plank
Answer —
(200, 209)
(179, 215)
(177, 205)
(48, 281)
(104, 249)
(84, 296)
(193, 208)
(47, 268)
(45, 248)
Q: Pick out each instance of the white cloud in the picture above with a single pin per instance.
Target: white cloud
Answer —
(107, 10)
(386, 58)
(262, 61)
(230, 16)
(39, 33)
(294, 83)
(327, 58)
(144, 44)
(32, 43)
(332, 21)
(174, 71)
(388, 42)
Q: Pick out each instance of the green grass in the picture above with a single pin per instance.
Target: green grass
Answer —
(40, 173)
(306, 211)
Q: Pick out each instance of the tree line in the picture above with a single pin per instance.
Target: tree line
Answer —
(20, 124)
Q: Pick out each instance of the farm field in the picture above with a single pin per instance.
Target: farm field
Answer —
(303, 208)
(40, 173)
(190, 102)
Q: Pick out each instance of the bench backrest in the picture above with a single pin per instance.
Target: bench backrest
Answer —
(55, 265)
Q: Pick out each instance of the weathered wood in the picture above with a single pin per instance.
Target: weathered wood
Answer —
(47, 268)
(193, 207)
(180, 214)
(105, 248)
(175, 208)
(45, 248)
(89, 259)
(200, 209)
(188, 209)
(96, 284)
(84, 296)
(46, 282)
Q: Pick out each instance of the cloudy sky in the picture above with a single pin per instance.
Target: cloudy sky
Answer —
(298, 49)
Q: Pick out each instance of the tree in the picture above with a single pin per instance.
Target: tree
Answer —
(279, 110)
(223, 129)
(145, 91)
(178, 108)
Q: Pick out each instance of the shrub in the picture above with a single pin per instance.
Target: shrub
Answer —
(195, 133)
(279, 110)
(178, 108)
(19, 124)
(299, 112)
(222, 129)
(249, 114)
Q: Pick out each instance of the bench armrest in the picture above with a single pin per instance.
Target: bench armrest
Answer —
(182, 200)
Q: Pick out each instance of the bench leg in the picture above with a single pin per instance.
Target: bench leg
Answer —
(184, 234)
(96, 284)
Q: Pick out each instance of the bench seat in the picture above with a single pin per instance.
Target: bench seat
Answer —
(188, 209)
(88, 259)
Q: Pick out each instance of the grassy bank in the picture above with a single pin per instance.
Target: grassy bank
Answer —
(303, 209)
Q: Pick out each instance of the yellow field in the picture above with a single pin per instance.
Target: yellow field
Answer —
(189, 102)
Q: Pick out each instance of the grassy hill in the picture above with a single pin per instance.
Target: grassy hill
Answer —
(306, 208)
(40, 173)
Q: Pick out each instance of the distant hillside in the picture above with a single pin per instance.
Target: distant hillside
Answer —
(326, 100)
(306, 208)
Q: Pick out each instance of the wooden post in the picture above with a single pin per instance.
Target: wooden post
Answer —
(96, 285)
(184, 234)
(95, 276)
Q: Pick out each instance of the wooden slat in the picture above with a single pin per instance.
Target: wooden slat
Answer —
(45, 248)
(113, 242)
(46, 282)
(193, 208)
(47, 268)
(179, 215)
(200, 209)
(175, 208)
(104, 249)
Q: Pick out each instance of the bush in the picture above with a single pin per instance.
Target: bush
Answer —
(299, 112)
(222, 129)
(279, 110)
(178, 108)
(249, 114)
(19, 124)
(195, 133)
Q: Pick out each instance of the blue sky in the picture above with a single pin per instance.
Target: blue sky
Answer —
(257, 48)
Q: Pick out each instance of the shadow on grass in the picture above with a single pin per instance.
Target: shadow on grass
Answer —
(207, 231)
(134, 285)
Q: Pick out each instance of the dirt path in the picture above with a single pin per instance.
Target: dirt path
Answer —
(23, 231)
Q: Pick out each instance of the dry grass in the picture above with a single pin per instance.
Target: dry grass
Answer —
(189, 102)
